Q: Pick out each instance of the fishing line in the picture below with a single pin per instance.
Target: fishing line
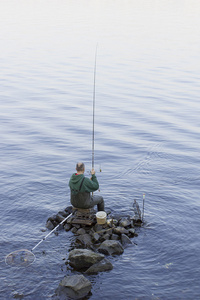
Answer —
(94, 92)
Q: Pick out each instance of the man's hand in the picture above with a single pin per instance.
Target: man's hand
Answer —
(93, 172)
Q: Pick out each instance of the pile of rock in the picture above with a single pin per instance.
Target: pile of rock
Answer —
(90, 247)
(116, 229)
(53, 221)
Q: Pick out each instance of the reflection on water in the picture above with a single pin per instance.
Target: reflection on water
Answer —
(146, 137)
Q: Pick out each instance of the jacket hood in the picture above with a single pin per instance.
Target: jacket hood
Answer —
(75, 181)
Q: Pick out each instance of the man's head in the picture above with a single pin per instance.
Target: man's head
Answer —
(80, 167)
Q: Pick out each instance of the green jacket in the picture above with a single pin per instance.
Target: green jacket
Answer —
(81, 187)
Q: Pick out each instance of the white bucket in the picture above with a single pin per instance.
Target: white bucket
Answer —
(101, 217)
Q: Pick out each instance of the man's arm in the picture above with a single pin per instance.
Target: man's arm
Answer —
(92, 184)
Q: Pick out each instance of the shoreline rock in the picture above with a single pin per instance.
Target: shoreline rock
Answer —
(75, 287)
(102, 266)
(83, 258)
(91, 243)
(110, 247)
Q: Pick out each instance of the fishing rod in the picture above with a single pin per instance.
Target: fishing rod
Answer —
(94, 92)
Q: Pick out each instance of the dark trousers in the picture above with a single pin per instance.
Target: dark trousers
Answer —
(85, 200)
(97, 200)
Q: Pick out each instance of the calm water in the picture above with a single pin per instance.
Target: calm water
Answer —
(147, 129)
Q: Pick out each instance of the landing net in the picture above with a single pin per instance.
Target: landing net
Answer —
(20, 258)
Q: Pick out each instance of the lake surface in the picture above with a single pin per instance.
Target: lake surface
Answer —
(147, 129)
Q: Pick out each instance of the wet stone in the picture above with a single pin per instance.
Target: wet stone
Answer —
(125, 240)
(102, 266)
(105, 237)
(132, 231)
(81, 231)
(75, 287)
(49, 225)
(120, 230)
(68, 209)
(17, 295)
(84, 239)
(124, 222)
(63, 213)
(67, 227)
(83, 258)
(59, 218)
(73, 230)
(111, 247)
(53, 221)
(95, 237)
(77, 226)
(98, 227)
(114, 237)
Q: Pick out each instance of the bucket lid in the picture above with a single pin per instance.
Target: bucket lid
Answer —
(101, 214)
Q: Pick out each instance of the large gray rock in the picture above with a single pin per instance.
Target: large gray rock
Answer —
(83, 258)
(111, 247)
(102, 266)
(76, 286)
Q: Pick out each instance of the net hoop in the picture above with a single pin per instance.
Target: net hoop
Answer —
(20, 258)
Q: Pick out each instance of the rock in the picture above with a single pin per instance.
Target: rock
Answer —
(67, 227)
(83, 258)
(98, 227)
(17, 295)
(59, 218)
(102, 266)
(124, 222)
(49, 225)
(114, 237)
(120, 230)
(68, 209)
(73, 230)
(132, 231)
(111, 247)
(105, 237)
(95, 237)
(81, 231)
(125, 240)
(132, 224)
(84, 239)
(109, 231)
(63, 213)
(77, 226)
(76, 286)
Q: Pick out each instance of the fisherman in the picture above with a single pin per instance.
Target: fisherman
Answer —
(81, 187)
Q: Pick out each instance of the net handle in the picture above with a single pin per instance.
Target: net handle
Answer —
(44, 238)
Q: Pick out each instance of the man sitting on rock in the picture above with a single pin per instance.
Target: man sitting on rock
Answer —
(81, 187)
